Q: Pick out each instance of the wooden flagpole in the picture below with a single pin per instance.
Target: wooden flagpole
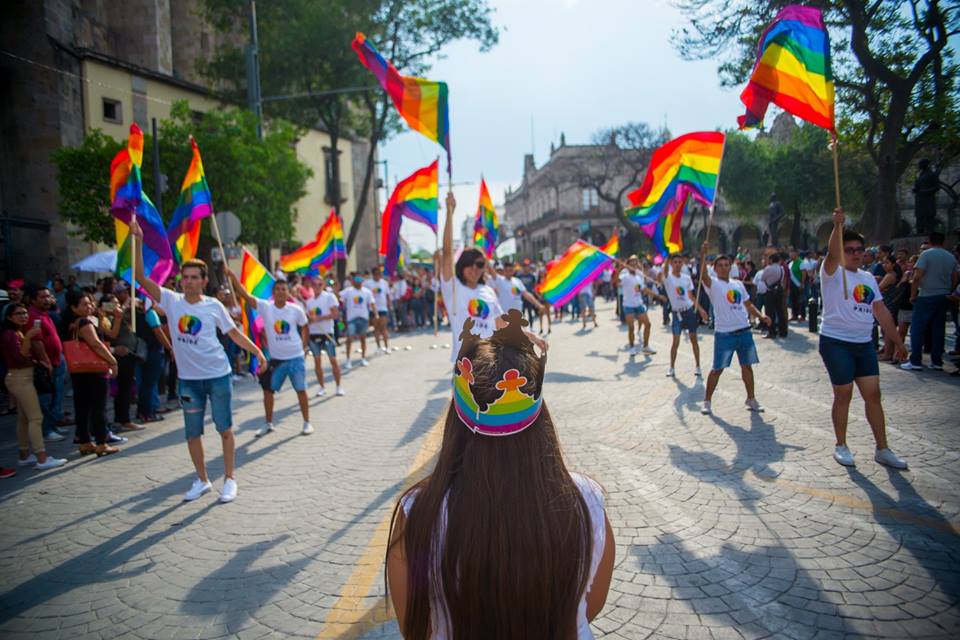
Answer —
(133, 275)
(836, 188)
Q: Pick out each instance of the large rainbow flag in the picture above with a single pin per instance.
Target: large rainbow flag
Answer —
(486, 225)
(259, 283)
(691, 161)
(612, 247)
(127, 199)
(415, 197)
(321, 252)
(422, 103)
(194, 204)
(792, 70)
(578, 267)
(666, 231)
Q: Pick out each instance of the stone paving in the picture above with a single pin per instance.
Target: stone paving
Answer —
(727, 526)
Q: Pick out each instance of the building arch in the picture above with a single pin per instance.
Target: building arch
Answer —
(747, 236)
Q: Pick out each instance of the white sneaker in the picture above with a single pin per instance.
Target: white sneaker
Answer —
(341, 392)
(264, 430)
(706, 410)
(307, 428)
(363, 362)
(54, 436)
(889, 458)
(386, 351)
(239, 378)
(843, 456)
(197, 489)
(53, 463)
(229, 493)
(634, 351)
(322, 391)
(671, 373)
(347, 365)
(697, 372)
(647, 349)
(753, 405)
(909, 366)
(29, 461)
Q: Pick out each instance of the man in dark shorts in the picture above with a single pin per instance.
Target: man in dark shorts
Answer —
(849, 308)
(684, 309)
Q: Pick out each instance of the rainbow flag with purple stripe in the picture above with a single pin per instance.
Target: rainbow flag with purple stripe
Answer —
(415, 198)
(127, 199)
(194, 204)
(579, 266)
(320, 253)
(666, 231)
(792, 70)
(485, 226)
(259, 283)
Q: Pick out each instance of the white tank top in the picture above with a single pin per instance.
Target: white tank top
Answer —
(593, 497)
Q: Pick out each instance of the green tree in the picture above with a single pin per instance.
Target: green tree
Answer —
(83, 179)
(895, 74)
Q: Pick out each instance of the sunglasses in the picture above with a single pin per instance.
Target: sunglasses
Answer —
(850, 250)
(480, 264)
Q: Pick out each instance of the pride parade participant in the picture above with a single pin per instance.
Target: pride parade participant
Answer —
(203, 368)
(732, 311)
(846, 345)
(632, 280)
(684, 309)
(500, 477)
(511, 292)
(380, 289)
(323, 309)
(358, 302)
(285, 325)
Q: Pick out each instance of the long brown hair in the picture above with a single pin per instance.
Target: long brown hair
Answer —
(511, 557)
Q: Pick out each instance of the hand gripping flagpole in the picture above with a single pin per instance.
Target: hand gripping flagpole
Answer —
(713, 205)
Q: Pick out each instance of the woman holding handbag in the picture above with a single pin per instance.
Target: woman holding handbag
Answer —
(89, 362)
(21, 348)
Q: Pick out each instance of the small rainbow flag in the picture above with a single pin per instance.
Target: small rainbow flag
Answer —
(665, 231)
(422, 103)
(692, 161)
(321, 252)
(792, 70)
(126, 199)
(194, 204)
(486, 225)
(415, 197)
(255, 278)
(578, 267)
(612, 248)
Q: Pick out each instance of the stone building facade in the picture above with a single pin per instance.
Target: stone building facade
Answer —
(75, 65)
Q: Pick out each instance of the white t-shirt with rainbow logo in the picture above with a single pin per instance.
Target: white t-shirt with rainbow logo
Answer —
(850, 320)
(480, 304)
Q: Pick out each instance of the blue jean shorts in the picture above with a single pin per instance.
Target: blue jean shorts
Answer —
(685, 320)
(739, 342)
(323, 343)
(587, 302)
(846, 361)
(382, 313)
(193, 398)
(635, 311)
(293, 369)
(357, 327)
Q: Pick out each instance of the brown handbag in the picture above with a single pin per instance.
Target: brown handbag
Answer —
(81, 358)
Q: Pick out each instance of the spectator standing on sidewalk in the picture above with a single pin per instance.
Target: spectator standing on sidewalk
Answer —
(774, 299)
(934, 278)
(40, 301)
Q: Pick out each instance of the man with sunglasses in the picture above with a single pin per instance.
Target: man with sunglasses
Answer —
(850, 305)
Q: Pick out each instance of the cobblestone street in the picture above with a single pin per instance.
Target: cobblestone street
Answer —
(728, 526)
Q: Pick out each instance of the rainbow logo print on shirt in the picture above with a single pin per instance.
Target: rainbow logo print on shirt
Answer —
(734, 297)
(189, 325)
(681, 292)
(357, 299)
(863, 294)
(281, 327)
(637, 288)
(478, 309)
(515, 291)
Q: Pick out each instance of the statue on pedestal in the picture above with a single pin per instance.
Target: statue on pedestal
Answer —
(925, 189)
(774, 215)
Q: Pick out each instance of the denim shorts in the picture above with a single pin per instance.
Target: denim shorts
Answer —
(382, 313)
(293, 369)
(193, 398)
(635, 311)
(684, 320)
(587, 302)
(741, 342)
(323, 343)
(357, 327)
(846, 361)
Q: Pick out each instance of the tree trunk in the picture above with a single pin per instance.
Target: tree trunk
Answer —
(881, 220)
(361, 205)
(796, 233)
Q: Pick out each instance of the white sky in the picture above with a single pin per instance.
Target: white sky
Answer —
(573, 67)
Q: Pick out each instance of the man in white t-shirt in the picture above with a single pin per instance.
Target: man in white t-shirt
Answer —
(398, 290)
(633, 283)
(684, 309)
(732, 311)
(285, 325)
(511, 292)
(322, 311)
(359, 306)
(203, 368)
(380, 289)
(846, 347)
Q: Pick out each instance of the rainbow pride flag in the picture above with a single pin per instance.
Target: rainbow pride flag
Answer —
(194, 204)
(486, 225)
(422, 103)
(415, 197)
(691, 161)
(321, 252)
(578, 267)
(792, 70)
(666, 231)
(255, 278)
(612, 247)
(127, 199)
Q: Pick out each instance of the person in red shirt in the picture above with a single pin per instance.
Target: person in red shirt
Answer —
(39, 301)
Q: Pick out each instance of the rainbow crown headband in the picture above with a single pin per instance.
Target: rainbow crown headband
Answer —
(514, 410)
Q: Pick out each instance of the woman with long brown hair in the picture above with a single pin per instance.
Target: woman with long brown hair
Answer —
(500, 540)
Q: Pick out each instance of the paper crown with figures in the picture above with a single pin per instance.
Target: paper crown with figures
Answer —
(514, 410)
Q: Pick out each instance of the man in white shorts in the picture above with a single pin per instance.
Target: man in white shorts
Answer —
(358, 303)
(380, 289)
(323, 309)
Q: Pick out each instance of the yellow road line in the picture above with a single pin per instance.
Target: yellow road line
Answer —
(351, 615)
